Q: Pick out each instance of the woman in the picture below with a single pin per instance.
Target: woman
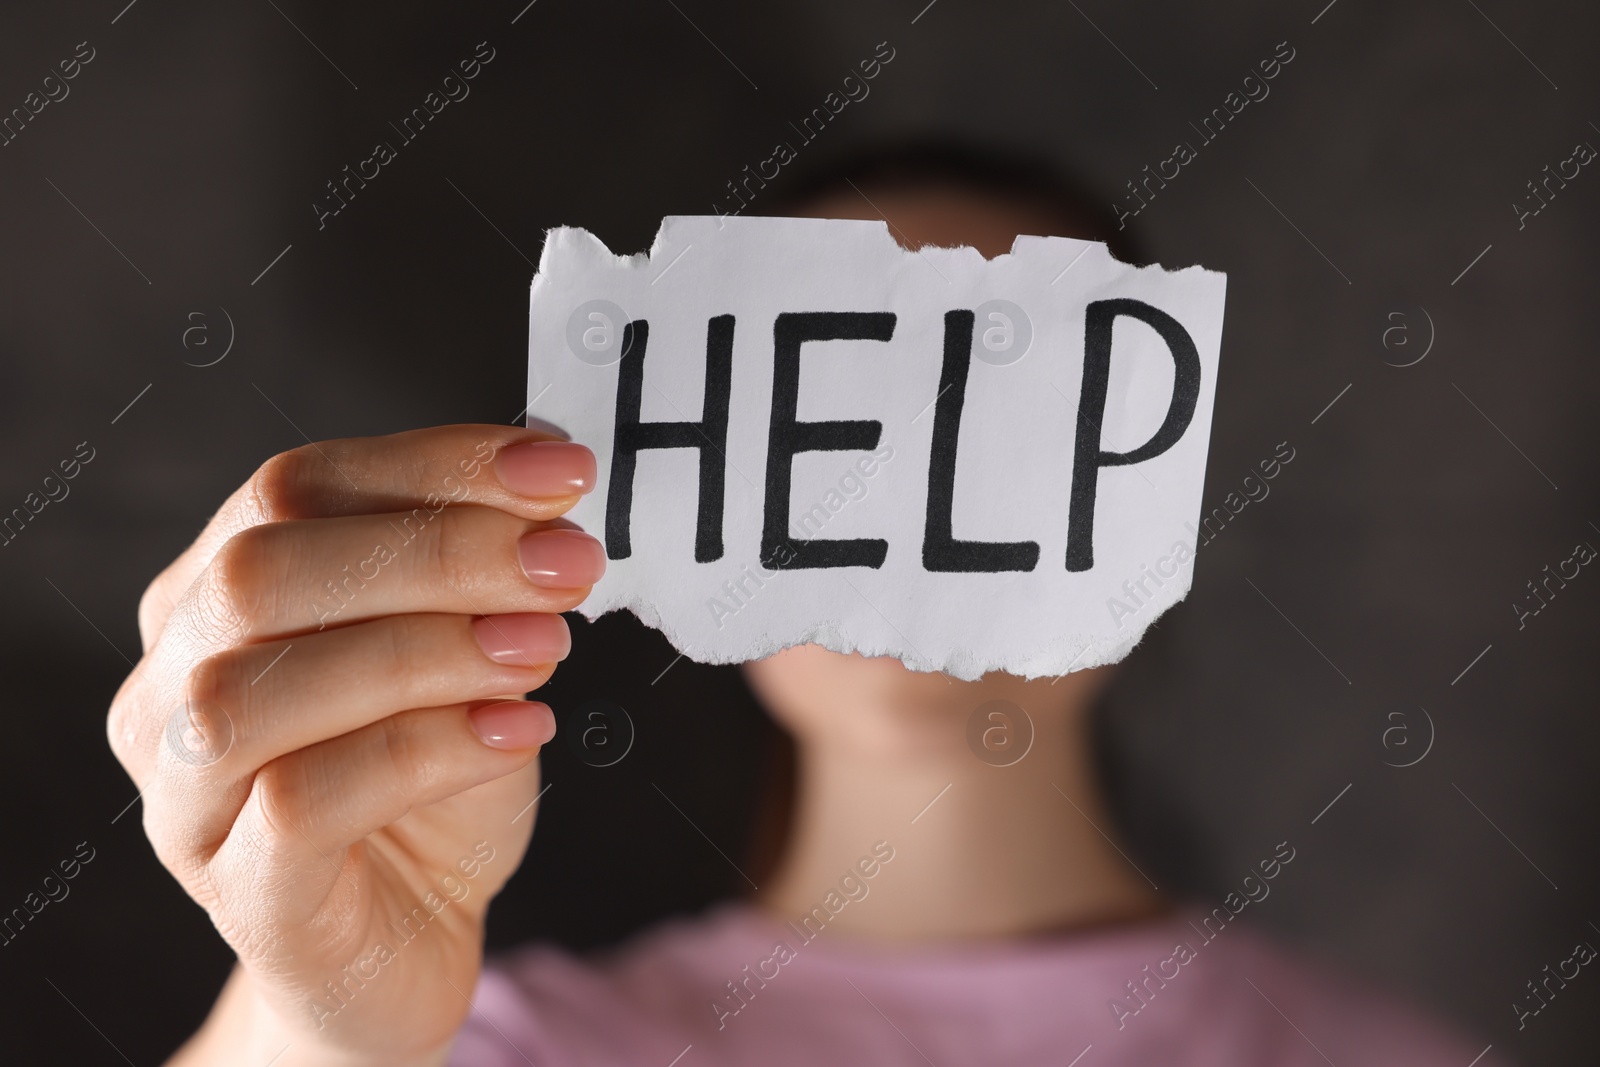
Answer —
(330, 766)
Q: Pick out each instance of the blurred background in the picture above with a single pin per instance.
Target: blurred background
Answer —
(1349, 674)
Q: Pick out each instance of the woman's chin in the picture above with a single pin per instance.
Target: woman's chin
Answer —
(879, 702)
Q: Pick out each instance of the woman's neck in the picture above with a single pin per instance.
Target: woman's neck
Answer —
(978, 850)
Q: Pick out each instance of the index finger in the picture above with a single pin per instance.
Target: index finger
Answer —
(527, 473)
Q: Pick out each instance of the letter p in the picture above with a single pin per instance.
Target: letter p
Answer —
(1088, 457)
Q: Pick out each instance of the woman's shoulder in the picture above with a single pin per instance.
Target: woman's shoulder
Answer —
(736, 985)
(618, 1005)
(1238, 989)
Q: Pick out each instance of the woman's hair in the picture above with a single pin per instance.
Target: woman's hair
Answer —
(1032, 180)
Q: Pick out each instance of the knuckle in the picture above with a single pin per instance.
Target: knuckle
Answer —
(120, 731)
(284, 799)
(120, 735)
(123, 731)
(155, 603)
(285, 486)
(178, 844)
(217, 683)
(409, 768)
(236, 582)
(417, 653)
(116, 731)
(412, 645)
(133, 728)
(454, 547)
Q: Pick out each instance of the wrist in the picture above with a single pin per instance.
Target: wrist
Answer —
(243, 1027)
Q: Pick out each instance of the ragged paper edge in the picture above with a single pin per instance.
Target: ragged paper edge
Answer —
(832, 634)
(562, 236)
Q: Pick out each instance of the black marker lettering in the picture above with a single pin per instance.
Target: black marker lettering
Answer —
(788, 437)
(1088, 458)
(940, 550)
(709, 435)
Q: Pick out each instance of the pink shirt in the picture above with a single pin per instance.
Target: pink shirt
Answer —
(664, 1000)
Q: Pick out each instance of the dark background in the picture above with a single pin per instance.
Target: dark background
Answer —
(1386, 558)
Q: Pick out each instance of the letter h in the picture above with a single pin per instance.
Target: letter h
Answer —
(709, 435)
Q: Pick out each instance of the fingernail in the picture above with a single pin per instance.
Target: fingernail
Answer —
(526, 640)
(561, 559)
(513, 724)
(546, 468)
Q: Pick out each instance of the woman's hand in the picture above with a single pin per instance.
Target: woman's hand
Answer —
(327, 729)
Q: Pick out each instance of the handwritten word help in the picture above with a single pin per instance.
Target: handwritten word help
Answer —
(1032, 402)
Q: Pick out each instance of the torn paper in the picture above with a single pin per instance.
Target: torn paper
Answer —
(806, 433)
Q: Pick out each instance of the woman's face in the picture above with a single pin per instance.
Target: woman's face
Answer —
(818, 693)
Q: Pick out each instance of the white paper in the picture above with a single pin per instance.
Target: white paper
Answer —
(1014, 461)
